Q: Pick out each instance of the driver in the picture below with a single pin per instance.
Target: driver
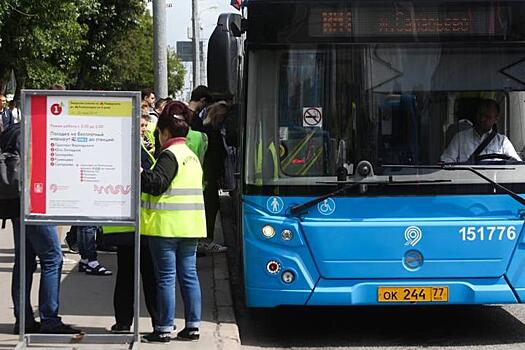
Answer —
(466, 142)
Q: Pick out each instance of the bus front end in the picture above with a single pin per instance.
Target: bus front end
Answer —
(383, 148)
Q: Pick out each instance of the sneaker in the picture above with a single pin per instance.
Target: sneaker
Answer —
(157, 337)
(33, 327)
(189, 334)
(119, 328)
(213, 247)
(60, 329)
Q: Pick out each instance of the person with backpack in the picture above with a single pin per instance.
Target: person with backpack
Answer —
(41, 241)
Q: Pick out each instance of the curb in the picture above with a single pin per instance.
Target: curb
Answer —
(227, 331)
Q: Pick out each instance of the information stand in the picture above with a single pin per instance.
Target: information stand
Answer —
(81, 161)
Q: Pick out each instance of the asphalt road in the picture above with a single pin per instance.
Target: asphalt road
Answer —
(413, 327)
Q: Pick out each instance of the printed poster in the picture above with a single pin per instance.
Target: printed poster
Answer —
(81, 156)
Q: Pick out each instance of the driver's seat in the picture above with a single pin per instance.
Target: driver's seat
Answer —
(465, 110)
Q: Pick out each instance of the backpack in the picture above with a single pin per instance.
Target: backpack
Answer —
(10, 172)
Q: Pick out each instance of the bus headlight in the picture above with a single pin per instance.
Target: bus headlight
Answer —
(268, 231)
(287, 235)
(288, 277)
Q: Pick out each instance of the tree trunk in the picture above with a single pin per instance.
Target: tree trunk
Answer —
(21, 78)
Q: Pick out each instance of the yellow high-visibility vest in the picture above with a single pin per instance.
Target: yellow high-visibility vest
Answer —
(179, 211)
(259, 163)
(107, 230)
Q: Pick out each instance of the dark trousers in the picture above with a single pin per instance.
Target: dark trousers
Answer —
(123, 296)
(87, 242)
(211, 206)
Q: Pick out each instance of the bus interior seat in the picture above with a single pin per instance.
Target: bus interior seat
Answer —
(465, 110)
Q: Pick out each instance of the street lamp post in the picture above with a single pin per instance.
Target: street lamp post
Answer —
(196, 44)
(198, 66)
(203, 64)
(160, 48)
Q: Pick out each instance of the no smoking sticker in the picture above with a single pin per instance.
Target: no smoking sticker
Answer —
(313, 117)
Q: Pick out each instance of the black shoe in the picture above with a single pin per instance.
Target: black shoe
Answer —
(60, 329)
(157, 337)
(119, 328)
(33, 327)
(98, 270)
(82, 266)
(189, 334)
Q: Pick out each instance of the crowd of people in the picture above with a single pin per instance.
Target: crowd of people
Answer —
(183, 152)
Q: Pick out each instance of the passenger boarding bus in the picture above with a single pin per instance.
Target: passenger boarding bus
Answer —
(382, 147)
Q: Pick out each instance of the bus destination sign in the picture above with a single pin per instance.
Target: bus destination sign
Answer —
(398, 21)
(336, 22)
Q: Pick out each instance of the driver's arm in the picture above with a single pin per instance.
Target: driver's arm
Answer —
(509, 150)
(451, 153)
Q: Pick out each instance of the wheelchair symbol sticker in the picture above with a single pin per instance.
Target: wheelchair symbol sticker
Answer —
(326, 207)
(274, 205)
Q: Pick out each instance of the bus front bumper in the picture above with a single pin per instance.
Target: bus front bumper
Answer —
(358, 292)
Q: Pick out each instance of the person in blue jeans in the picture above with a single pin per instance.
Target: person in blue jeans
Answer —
(172, 216)
(42, 242)
(87, 248)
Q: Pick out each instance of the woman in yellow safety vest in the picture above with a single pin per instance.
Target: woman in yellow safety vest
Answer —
(172, 215)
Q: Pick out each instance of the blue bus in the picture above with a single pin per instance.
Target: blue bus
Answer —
(349, 110)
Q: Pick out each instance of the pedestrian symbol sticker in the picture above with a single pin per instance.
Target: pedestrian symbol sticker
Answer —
(313, 117)
(326, 207)
(274, 205)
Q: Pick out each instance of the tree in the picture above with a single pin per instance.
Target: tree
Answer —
(41, 41)
(176, 73)
(83, 44)
(132, 62)
(108, 23)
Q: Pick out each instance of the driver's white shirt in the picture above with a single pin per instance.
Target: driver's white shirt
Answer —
(465, 142)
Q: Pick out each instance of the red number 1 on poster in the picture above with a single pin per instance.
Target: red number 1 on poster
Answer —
(56, 109)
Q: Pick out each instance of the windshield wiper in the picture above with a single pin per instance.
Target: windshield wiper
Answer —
(452, 167)
(297, 209)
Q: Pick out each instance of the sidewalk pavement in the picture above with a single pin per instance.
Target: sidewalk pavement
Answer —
(87, 301)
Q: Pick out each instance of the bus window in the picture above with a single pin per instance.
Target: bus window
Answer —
(303, 116)
(385, 103)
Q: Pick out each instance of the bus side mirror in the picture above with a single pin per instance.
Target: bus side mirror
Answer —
(224, 55)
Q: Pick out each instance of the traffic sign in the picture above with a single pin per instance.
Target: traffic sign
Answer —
(313, 117)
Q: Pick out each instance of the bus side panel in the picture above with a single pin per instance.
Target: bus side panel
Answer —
(266, 289)
(516, 270)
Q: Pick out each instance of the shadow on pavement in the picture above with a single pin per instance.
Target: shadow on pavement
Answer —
(86, 295)
(370, 326)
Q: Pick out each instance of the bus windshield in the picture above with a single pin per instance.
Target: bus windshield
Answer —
(313, 110)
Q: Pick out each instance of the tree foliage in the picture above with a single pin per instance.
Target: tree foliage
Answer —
(108, 22)
(133, 60)
(84, 44)
(41, 41)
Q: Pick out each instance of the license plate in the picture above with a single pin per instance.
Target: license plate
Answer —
(412, 294)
